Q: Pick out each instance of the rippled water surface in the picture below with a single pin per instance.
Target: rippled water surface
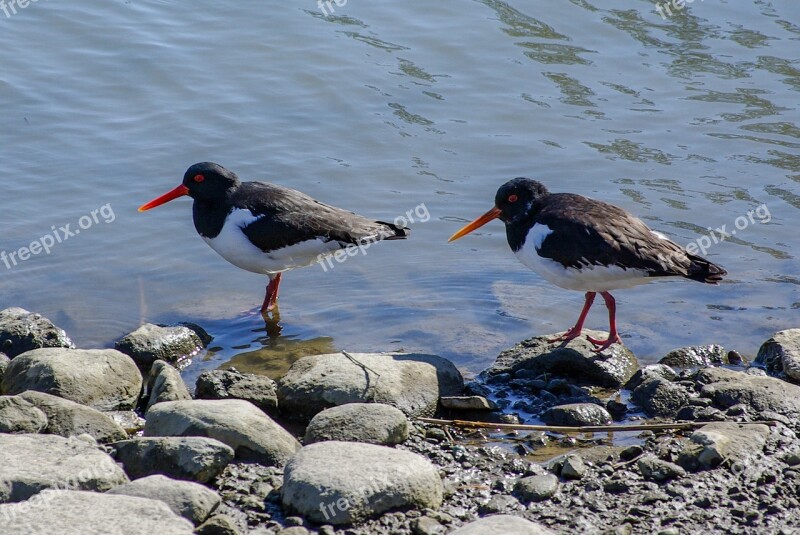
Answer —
(689, 121)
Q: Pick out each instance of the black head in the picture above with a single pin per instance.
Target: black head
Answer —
(204, 181)
(516, 197)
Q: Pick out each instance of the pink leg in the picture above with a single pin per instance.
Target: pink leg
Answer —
(575, 331)
(613, 336)
(271, 297)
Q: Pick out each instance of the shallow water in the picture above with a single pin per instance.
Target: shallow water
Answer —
(689, 121)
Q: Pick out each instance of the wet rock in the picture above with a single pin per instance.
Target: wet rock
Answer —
(198, 459)
(373, 423)
(130, 421)
(467, 403)
(575, 360)
(781, 354)
(713, 443)
(576, 414)
(259, 390)
(652, 371)
(493, 525)
(364, 481)
(616, 409)
(411, 382)
(701, 414)
(67, 418)
(20, 416)
(696, 356)
(152, 342)
(103, 379)
(659, 470)
(660, 398)
(21, 331)
(241, 425)
(72, 512)
(573, 467)
(759, 393)
(217, 525)
(32, 463)
(165, 384)
(192, 501)
(536, 488)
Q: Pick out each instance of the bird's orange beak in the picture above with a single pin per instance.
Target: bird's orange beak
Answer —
(494, 213)
(180, 191)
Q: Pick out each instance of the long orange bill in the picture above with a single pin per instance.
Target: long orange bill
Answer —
(180, 191)
(494, 213)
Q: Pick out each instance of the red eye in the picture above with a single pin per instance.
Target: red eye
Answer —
(512, 198)
(199, 178)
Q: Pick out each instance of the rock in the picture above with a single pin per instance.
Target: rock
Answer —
(165, 384)
(19, 416)
(576, 414)
(32, 463)
(152, 342)
(4, 361)
(467, 403)
(659, 470)
(536, 488)
(716, 442)
(374, 423)
(696, 356)
(409, 381)
(103, 379)
(259, 390)
(506, 524)
(499, 503)
(781, 354)
(217, 525)
(130, 421)
(652, 371)
(241, 425)
(198, 459)
(759, 393)
(67, 418)
(21, 331)
(573, 468)
(345, 482)
(192, 501)
(576, 360)
(660, 398)
(426, 525)
(72, 512)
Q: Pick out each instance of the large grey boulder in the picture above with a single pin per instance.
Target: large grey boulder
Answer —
(781, 354)
(345, 482)
(165, 384)
(192, 501)
(19, 416)
(241, 425)
(505, 524)
(259, 390)
(714, 443)
(577, 414)
(152, 342)
(21, 331)
(727, 388)
(411, 382)
(103, 379)
(32, 463)
(73, 512)
(198, 459)
(574, 360)
(67, 418)
(374, 423)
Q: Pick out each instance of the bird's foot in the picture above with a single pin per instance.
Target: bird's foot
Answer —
(602, 345)
(570, 334)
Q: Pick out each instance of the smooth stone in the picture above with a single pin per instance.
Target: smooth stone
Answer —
(103, 379)
(696, 356)
(192, 501)
(73, 512)
(241, 425)
(759, 393)
(426, 525)
(21, 331)
(577, 414)
(781, 354)
(467, 403)
(373, 423)
(574, 467)
(165, 384)
(259, 390)
(575, 360)
(660, 398)
(151, 342)
(198, 459)
(20, 416)
(651, 371)
(67, 418)
(536, 488)
(659, 470)
(346, 482)
(716, 442)
(217, 525)
(32, 463)
(4, 362)
(502, 524)
(411, 382)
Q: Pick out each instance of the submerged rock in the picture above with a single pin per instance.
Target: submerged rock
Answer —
(373, 423)
(165, 384)
(198, 459)
(780, 355)
(574, 360)
(67, 418)
(21, 331)
(259, 390)
(576, 414)
(696, 356)
(152, 342)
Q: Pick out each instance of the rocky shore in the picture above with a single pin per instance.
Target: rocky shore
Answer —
(112, 441)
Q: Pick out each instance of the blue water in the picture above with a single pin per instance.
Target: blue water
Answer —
(689, 121)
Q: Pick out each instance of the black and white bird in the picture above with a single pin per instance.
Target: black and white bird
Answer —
(584, 244)
(269, 229)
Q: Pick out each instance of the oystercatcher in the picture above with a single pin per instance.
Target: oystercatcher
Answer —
(269, 229)
(583, 244)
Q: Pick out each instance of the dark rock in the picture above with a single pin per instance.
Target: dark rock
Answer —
(21, 331)
(475, 388)
(467, 403)
(660, 398)
(536, 488)
(198, 459)
(616, 409)
(652, 371)
(192, 501)
(20, 416)
(696, 356)
(631, 452)
(67, 418)
(659, 470)
(259, 390)
(373, 423)
(576, 414)
(165, 384)
(152, 342)
(781, 354)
